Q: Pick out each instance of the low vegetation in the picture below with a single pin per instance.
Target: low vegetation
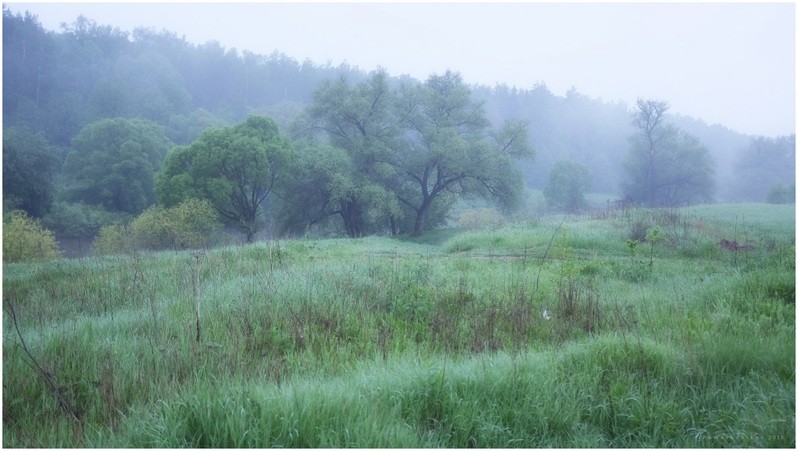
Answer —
(547, 333)
(24, 239)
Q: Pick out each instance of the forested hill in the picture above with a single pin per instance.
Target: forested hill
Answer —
(59, 82)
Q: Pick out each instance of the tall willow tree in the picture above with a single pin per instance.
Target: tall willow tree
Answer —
(414, 150)
(450, 149)
(361, 120)
(322, 180)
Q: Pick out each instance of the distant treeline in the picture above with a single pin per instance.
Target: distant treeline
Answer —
(58, 84)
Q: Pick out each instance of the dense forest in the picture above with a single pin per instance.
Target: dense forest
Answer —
(100, 124)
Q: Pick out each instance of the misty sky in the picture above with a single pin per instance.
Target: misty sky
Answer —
(728, 63)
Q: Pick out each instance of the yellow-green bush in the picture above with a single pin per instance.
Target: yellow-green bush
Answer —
(112, 239)
(150, 230)
(189, 225)
(24, 239)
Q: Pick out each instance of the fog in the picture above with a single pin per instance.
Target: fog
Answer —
(732, 64)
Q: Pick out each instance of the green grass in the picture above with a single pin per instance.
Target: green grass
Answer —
(431, 342)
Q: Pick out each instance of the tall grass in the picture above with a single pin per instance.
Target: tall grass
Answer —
(385, 343)
(608, 392)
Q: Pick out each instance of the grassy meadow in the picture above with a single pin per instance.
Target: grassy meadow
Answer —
(668, 341)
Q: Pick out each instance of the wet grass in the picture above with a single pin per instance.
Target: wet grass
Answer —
(438, 342)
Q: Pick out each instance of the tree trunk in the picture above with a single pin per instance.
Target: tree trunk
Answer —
(353, 220)
(650, 175)
(421, 217)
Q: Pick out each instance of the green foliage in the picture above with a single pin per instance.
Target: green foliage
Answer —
(28, 54)
(29, 168)
(184, 129)
(781, 194)
(234, 168)
(765, 170)
(188, 225)
(361, 121)
(326, 183)
(113, 239)
(653, 237)
(80, 221)
(665, 165)
(568, 183)
(150, 87)
(415, 150)
(59, 82)
(24, 239)
(112, 163)
(452, 150)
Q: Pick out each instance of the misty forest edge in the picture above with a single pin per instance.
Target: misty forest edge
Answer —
(96, 120)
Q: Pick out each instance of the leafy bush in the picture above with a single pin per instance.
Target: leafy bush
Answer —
(112, 239)
(568, 183)
(151, 229)
(188, 225)
(25, 239)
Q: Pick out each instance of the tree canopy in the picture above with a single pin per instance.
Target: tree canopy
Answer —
(415, 148)
(450, 148)
(29, 168)
(321, 185)
(665, 166)
(112, 163)
(235, 168)
(367, 143)
(360, 120)
(763, 165)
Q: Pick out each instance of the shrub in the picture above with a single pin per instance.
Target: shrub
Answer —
(25, 239)
(568, 183)
(188, 225)
(150, 230)
(638, 230)
(112, 239)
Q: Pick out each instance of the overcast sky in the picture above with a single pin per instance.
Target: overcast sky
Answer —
(728, 63)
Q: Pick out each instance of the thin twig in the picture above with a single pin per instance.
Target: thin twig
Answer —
(9, 308)
(545, 254)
